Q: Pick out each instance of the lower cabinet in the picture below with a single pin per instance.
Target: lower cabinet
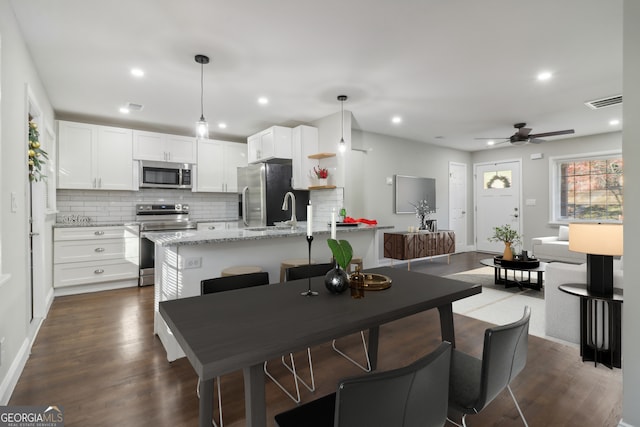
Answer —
(217, 225)
(93, 255)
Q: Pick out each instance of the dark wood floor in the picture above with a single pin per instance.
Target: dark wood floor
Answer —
(97, 357)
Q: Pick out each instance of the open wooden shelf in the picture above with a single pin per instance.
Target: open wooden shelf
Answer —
(322, 187)
(321, 155)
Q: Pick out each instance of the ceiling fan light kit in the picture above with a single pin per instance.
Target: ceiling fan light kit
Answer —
(523, 135)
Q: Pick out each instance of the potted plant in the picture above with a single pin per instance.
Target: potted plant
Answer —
(337, 280)
(508, 236)
(322, 174)
(423, 213)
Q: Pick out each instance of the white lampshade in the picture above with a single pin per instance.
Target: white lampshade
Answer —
(596, 239)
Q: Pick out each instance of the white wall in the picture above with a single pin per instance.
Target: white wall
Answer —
(631, 151)
(17, 71)
(535, 173)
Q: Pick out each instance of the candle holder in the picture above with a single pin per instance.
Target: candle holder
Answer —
(309, 292)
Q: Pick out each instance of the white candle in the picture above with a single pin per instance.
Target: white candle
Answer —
(309, 220)
(333, 223)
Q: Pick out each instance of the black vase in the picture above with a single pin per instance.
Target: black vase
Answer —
(336, 280)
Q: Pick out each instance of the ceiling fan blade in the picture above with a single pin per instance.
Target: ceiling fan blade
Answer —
(558, 132)
(523, 132)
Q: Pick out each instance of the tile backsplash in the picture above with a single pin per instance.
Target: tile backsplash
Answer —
(119, 206)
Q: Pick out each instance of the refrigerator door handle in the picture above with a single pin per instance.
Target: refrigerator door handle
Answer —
(244, 206)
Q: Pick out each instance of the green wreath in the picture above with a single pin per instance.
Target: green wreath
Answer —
(495, 178)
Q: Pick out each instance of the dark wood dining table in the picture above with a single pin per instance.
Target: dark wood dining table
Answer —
(223, 332)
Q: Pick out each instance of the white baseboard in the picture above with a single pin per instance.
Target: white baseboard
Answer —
(13, 374)
(96, 287)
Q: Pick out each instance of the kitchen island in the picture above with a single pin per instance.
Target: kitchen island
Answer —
(183, 259)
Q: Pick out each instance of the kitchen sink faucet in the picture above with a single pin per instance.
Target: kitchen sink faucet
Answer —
(293, 222)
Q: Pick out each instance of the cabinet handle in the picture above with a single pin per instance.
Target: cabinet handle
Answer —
(99, 249)
(99, 182)
(99, 271)
(212, 227)
(99, 233)
(94, 183)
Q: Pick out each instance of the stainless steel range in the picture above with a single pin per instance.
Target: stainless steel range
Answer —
(158, 217)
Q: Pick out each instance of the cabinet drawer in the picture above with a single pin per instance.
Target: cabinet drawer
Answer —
(92, 250)
(82, 273)
(94, 233)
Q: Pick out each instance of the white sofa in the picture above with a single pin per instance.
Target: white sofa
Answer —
(556, 248)
(562, 311)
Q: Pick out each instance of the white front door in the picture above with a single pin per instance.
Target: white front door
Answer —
(458, 203)
(497, 195)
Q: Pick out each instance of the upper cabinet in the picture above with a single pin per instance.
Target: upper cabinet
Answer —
(92, 157)
(304, 144)
(272, 143)
(163, 147)
(218, 163)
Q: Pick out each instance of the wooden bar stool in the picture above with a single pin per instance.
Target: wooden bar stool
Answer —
(292, 262)
(240, 269)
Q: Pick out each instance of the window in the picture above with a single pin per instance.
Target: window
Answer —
(587, 188)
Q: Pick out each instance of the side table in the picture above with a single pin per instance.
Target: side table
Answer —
(600, 325)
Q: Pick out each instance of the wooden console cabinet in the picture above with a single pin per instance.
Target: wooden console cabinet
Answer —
(408, 246)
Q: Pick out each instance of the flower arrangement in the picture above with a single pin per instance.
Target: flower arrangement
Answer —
(342, 252)
(36, 153)
(321, 173)
(423, 212)
(505, 234)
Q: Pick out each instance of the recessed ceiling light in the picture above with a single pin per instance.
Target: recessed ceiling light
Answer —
(614, 122)
(263, 100)
(222, 125)
(545, 75)
(137, 72)
(396, 119)
(124, 110)
(491, 142)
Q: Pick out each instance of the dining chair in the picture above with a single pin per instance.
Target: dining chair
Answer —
(314, 270)
(411, 396)
(223, 284)
(474, 383)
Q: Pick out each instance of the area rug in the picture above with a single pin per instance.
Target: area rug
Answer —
(497, 304)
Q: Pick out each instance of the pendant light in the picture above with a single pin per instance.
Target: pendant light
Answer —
(342, 146)
(202, 127)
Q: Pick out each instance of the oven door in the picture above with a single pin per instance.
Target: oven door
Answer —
(147, 261)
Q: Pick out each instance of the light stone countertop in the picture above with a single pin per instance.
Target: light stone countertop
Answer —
(193, 237)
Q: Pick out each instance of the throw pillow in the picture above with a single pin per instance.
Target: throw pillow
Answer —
(563, 233)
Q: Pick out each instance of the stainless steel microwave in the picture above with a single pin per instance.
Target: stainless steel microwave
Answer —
(165, 175)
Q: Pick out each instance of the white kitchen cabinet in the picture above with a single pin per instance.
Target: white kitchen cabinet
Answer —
(92, 157)
(304, 144)
(162, 147)
(95, 255)
(218, 163)
(272, 143)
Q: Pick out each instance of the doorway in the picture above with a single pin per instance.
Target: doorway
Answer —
(497, 188)
(458, 203)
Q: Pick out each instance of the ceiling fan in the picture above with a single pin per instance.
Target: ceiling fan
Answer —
(523, 135)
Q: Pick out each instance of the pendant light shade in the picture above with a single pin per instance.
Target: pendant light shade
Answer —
(342, 146)
(202, 127)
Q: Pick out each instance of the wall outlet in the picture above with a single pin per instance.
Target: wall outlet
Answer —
(193, 262)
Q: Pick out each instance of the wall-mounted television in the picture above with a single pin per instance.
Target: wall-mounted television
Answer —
(411, 189)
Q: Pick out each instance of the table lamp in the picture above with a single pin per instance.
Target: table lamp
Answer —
(601, 242)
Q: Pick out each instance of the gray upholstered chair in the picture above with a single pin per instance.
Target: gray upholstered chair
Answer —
(313, 270)
(412, 396)
(229, 283)
(474, 383)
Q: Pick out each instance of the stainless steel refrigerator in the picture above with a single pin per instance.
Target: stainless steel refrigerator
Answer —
(262, 188)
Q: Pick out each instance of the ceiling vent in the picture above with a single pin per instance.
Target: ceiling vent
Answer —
(134, 107)
(596, 104)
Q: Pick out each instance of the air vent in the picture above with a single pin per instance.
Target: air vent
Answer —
(596, 104)
(134, 107)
